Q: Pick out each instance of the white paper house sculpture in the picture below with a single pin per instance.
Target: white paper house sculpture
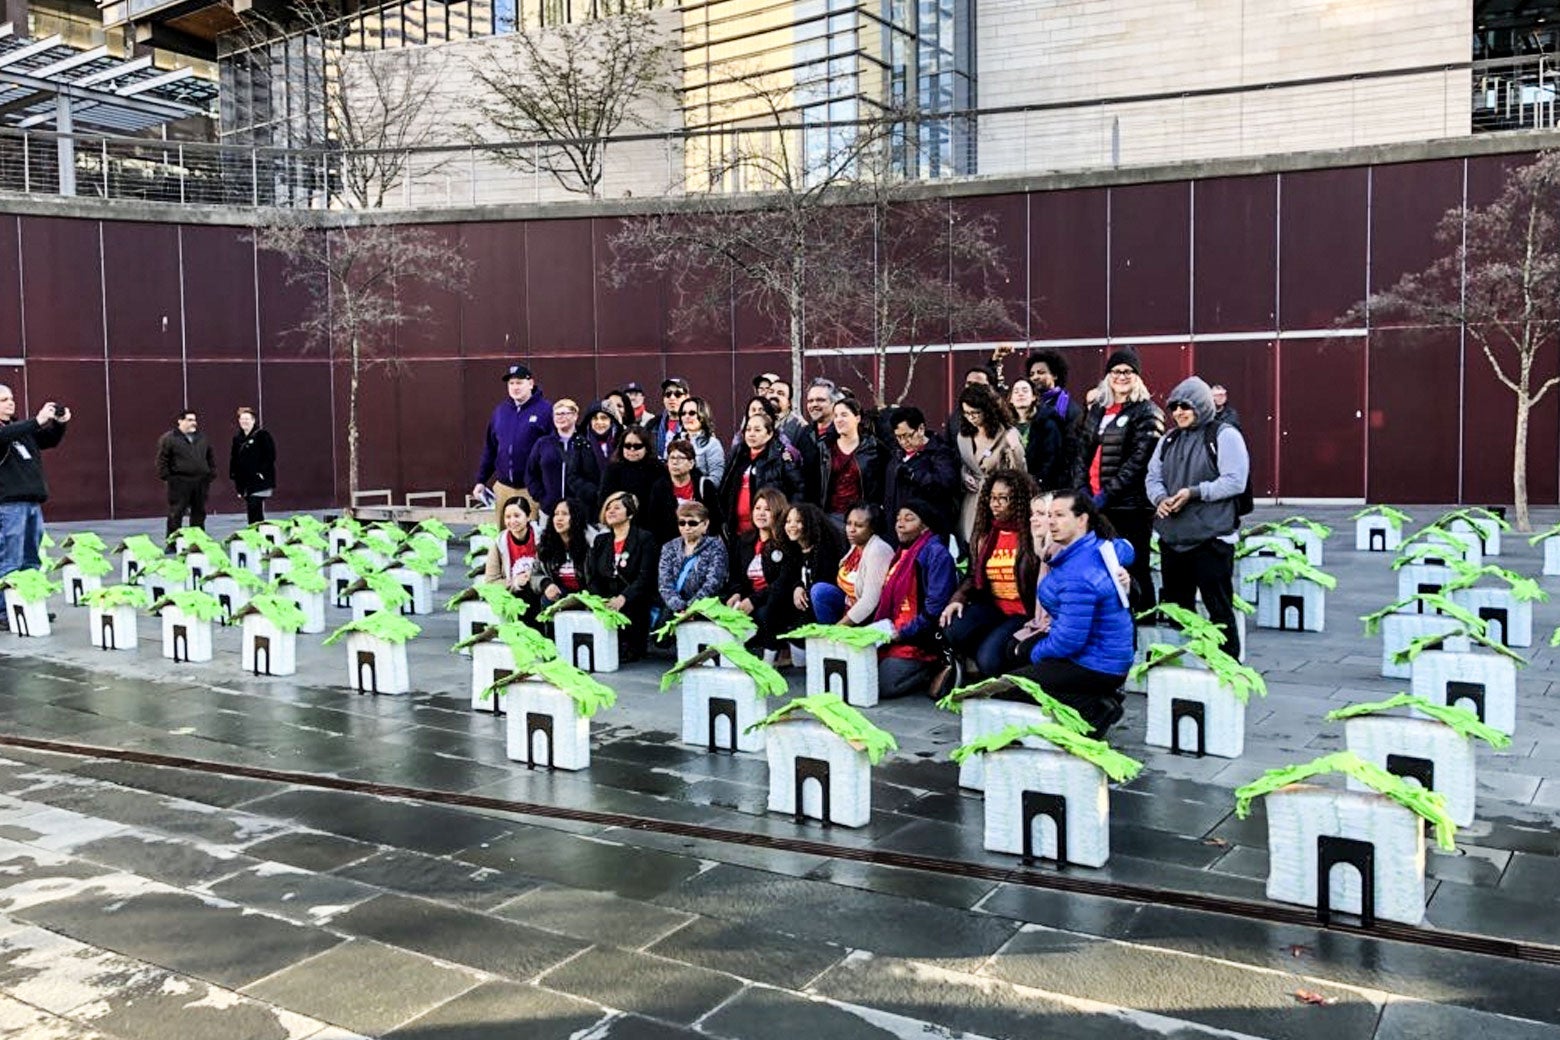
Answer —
(200, 566)
(1047, 804)
(719, 706)
(1307, 541)
(1416, 578)
(491, 660)
(544, 730)
(77, 584)
(820, 753)
(157, 584)
(1487, 531)
(1147, 636)
(1190, 711)
(311, 603)
(1309, 826)
(184, 637)
(1297, 606)
(418, 586)
(340, 575)
(471, 617)
(838, 668)
(1485, 684)
(1508, 619)
(985, 716)
(1398, 630)
(1377, 534)
(112, 628)
(339, 539)
(1264, 550)
(27, 619)
(584, 641)
(1552, 556)
(266, 649)
(694, 637)
(247, 557)
(1425, 751)
(376, 665)
(230, 593)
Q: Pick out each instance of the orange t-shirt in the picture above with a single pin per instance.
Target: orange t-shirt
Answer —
(1002, 574)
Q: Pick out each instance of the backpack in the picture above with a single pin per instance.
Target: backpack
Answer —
(1244, 503)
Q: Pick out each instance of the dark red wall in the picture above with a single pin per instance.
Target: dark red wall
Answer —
(1241, 280)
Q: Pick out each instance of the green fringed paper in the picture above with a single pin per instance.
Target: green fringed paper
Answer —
(141, 549)
(1427, 804)
(382, 624)
(1431, 541)
(1062, 714)
(170, 568)
(1287, 571)
(610, 619)
(252, 537)
(304, 579)
(30, 586)
(309, 540)
(861, 638)
(1396, 517)
(525, 642)
(1191, 623)
(504, 603)
(738, 625)
(391, 530)
(1523, 590)
(1433, 600)
(1471, 514)
(588, 694)
(243, 577)
(1283, 553)
(1321, 531)
(418, 563)
(1095, 752)
(841, 719)
(1415, 647)
(111, 596)
(378, 542)
(486, 531)
(356, 562)
(202, 606)
(303, 523)
(91, 564)
(1462, 721)
(392, 594)
(473, 555)
(278, 610)
(1239, 680)
(435, 527)
(197, 540)
(1242, 607)
(767, 682)
(84, 540)
(1544, 536)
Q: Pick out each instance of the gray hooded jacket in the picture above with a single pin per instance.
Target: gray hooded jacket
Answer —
(1182, 460)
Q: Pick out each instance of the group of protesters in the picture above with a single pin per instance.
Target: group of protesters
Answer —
(838, 513)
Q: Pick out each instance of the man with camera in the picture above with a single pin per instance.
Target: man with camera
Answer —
(22, 487)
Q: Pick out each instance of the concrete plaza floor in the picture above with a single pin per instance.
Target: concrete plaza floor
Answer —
(147, 901)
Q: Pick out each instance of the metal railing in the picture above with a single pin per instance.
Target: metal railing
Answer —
(1397, 105)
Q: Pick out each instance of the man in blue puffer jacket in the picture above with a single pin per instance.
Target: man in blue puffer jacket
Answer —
(1084, 654)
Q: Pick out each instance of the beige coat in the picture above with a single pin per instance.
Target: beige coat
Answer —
(976, 464)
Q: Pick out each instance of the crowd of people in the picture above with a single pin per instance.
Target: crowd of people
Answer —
(1012, 538)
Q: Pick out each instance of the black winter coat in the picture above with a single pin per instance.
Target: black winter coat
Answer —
(252, 462)
(1125, 444)
(932, 474)
(773, 468)
(21, 468)
(870, 460)
(648, 483)
(633, 576)
(1052, 452)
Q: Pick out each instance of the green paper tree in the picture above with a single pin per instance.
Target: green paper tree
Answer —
(589, 695)
(1434, 600)
(304, 524)
(840, 719)
(1433, 542)
(111, 596)
(89, 562)
(1462, 721)
(1523, 590)
(418, 563)
(202, 606)
(1474, 516)
(384, 625)
(1063, 715)
(29, 586)
(1281, 550)
(1240, 680)
(392, 594)
(84, 540)
(1289, 571)
(503, 603)
(252, 537)
(767, 682)
(278, 610)
(304, 579)
(141, 549)
(1430, 805)
(434, 527)
(1479, 635)
(1277, 527)
(525, 642)
(1395, 517)
(485, 531)
(243, 577)
(1192, 624)
(610, 619)
(169, 568)
(1096, 752)
(197, 540)
(863, 637)
(738, 625)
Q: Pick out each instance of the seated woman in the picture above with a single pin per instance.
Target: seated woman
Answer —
(1083, 652)
(763, 562)
(511, 560)
(916, 590)
(563, 557)
(998, 596)
(623, 562)
(819, 548)
(693, 565)
(851, 598)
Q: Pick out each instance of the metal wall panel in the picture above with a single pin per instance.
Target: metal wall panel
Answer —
(1068, 263)
(558, 273)
(1321, 413)
(221, 307)
(1150, 259)
(1321, 246)
(1407, 202)
(492, 315)
(62, 288)
(145, 397)
(1234, 254)
(1246, 368)
(141, 286)
(1414, 389)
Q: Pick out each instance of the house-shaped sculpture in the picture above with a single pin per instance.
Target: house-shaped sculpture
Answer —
(821, 752)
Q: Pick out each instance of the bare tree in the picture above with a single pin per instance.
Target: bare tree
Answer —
(370, 110)
(762, 249)
(570, 88)
(356, 278)
(1499, 282)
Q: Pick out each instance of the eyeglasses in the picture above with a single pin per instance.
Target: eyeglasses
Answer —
(689, 523)
(631, 446)
(1179, 406)
(1000, 496)
(910, 436)
(688, 413)
(674, 392)
(1122, 373)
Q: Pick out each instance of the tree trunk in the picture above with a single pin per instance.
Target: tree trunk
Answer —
(795, 302)
(1519, 491)
(352, 425)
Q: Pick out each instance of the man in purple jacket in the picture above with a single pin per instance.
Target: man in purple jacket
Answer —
(521, 420)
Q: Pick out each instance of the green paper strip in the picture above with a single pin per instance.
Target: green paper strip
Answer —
(1096, 752)
(610, 619)
(767, 682)
(738, 625)
(1462, 721)
(863, 637)
(1063, 715)
(382, 624)
(842, 720)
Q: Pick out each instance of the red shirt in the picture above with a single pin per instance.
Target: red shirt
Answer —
(844, 480)
(1094, 466)
(755, 571)
(684, 493)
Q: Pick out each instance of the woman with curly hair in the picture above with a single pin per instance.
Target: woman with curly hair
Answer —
(987, 441)
(819, 548)
(998, 596)
(563, 557)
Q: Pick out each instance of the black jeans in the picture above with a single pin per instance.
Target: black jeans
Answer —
(1137, 527)
(186, 495)
(1208, 568)
(255, 507)
(1095, 695)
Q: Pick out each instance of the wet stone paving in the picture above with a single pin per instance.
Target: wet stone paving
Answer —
(162, 902)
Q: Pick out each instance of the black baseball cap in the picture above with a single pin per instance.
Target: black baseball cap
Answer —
(670, 381)
(517, 371)
(633, 387)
